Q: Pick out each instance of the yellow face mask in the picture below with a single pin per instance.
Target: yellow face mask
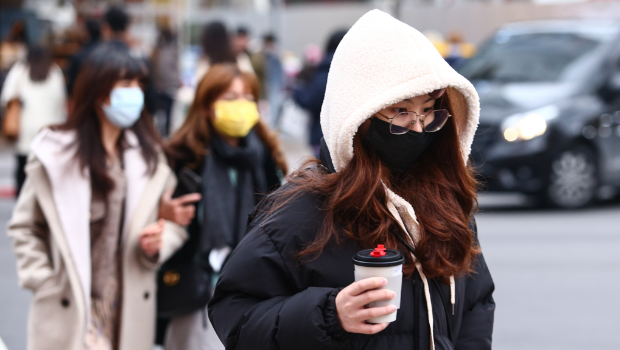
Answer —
(235, 118)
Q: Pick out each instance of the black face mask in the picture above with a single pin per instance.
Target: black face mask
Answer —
(397, 152)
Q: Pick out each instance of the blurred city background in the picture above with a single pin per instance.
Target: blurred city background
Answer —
(547, 149)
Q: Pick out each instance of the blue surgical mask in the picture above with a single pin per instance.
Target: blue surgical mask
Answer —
(125, 106)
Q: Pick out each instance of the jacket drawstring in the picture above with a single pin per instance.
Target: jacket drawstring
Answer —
(412, 238)
(427, 292)
(427, 295)
(452, 293)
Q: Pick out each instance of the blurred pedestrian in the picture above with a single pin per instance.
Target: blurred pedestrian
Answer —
(85, 228)
(457, 50)
(313, 55)
(35, 90)
(237, 160)
(217, 47)
(166, 77)
(309, 96)
(115, 27)
(14, 47)
(240, 46)
(93, 30)
(12, 50)
(398, 124)
(270, 74)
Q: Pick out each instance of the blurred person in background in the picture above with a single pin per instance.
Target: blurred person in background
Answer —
(457, 50)
(165, 77)
(115, 27)
(93, 31)
(238, 160)
(270, 74)
(14, 47)
(240, 45)
(313, 55)
(398, 124)
(85, 228)
(217, 47)
(38, 87)
(309, 96)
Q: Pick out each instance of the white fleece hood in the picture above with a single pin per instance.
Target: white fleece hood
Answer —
(379, 62)
(382, 61)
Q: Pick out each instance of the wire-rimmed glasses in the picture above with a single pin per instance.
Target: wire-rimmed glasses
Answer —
(402, 122)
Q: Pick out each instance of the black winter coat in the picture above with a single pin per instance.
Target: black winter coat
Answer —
(265, 299)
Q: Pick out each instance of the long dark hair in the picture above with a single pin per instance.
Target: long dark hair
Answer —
(440, 187)
(106, 65)
(191, 142)
(39, 63)
(216, 44)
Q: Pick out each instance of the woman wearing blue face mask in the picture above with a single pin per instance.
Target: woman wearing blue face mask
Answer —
(85, 228)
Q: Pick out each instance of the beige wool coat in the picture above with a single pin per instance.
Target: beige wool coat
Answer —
(50, 232)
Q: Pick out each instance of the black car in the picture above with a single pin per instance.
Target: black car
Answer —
(550, 110)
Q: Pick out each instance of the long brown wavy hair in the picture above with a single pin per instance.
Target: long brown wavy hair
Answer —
(192, 141)
(440, 187)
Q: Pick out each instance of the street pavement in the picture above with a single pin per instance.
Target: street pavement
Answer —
(557, 273)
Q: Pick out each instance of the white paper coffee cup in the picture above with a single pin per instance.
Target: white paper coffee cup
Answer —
(381, 262)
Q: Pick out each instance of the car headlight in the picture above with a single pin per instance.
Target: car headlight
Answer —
(526, 126)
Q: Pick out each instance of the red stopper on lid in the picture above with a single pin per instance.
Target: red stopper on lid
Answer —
(378, 252)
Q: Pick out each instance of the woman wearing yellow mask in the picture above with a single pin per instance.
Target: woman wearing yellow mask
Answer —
(225, 152)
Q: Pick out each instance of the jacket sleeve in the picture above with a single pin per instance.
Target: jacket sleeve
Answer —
(173, 237)
(28, 231)
(255, 302)
(477, 323)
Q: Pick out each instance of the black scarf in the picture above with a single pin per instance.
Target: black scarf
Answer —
(227, 203)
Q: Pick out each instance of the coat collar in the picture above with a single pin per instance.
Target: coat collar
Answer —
(71, 193)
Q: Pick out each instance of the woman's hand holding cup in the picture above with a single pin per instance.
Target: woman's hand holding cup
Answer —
(350, 304)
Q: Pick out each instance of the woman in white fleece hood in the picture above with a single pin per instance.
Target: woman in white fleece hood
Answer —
(398, 125)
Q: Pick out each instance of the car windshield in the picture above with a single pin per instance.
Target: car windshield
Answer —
(534, 57)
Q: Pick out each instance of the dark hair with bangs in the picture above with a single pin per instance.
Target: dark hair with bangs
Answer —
(105, 66)
(439, 186)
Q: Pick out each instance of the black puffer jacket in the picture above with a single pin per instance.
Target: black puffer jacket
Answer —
(265, 299)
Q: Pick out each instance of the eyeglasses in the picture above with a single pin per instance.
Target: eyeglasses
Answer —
(402, 122)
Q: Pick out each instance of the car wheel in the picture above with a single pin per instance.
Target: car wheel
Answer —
(573, 179)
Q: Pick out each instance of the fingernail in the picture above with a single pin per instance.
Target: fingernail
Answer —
(393, 308)
(393, 295)
(383, 281)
